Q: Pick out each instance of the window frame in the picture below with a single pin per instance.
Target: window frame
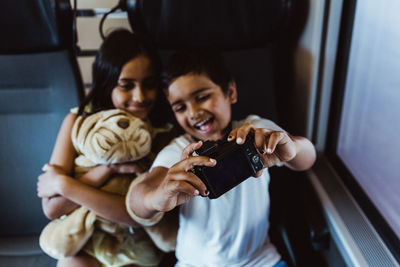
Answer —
(335, 111)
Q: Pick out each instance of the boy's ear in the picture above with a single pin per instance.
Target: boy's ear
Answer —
(232, 92)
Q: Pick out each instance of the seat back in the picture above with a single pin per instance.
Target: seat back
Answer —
(258, 39)
(39, 82)
(251, 35)
(246, 31)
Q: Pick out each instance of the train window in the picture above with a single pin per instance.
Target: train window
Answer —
(365, 120)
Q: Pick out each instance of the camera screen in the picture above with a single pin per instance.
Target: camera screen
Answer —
(229, 171)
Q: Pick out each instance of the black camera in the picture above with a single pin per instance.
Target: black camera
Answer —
(235, 163)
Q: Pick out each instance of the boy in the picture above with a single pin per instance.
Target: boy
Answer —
(231, 230)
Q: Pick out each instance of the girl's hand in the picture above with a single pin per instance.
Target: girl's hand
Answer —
(137, 167)
(49, 182)
(180, 184)
(273, 146)
(126, 168)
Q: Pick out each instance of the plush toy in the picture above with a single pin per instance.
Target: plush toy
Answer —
(106, 137)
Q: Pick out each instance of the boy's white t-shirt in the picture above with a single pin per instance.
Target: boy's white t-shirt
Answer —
(231, 230)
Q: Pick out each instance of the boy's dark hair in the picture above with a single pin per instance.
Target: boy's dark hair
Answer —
(119, 47)
(206, 61)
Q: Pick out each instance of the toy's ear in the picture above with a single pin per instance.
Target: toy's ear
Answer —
(232, 92)
(81, 128)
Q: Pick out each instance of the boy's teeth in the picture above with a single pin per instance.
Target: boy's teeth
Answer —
(200, 124)
(204, 127)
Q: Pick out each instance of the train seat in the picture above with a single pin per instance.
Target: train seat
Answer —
(39, 82)
(253, 37)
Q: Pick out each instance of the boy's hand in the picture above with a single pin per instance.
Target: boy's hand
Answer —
(273, 146)
(180, 184)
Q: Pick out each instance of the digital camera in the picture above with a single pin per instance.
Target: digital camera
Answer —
(235, 163)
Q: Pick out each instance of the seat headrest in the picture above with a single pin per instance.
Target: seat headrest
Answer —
(225, 24)
(30, 26)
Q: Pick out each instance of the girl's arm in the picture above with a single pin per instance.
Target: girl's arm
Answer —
(63, 157)
(96, 176)
(107, 205)
(58, 205)
(61, 193)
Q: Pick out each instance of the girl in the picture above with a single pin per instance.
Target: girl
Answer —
(126, 75)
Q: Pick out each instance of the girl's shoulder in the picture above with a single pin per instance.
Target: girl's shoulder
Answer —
(69, 119)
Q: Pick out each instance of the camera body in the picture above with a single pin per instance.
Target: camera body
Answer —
(235, 163)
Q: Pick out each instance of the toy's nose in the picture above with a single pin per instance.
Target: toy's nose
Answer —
(123, 123)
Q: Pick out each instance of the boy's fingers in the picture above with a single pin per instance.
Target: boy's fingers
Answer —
(242, 132)
(274, 140)
(186, 177)
(182, 171)
(188, 150)
(260, 140)
(258, 174)
(179, 186)
(189, 163)
(232, 135)
(190, 178)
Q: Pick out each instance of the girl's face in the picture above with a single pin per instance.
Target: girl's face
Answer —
(136, 90)
(200, 106)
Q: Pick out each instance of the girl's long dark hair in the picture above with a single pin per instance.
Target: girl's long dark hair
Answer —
(119, 47)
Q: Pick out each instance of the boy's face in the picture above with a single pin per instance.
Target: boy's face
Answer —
(200, 106)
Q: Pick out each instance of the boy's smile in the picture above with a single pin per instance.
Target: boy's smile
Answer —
(200, 106)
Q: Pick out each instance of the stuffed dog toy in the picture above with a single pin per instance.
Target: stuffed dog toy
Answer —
(106, 137)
